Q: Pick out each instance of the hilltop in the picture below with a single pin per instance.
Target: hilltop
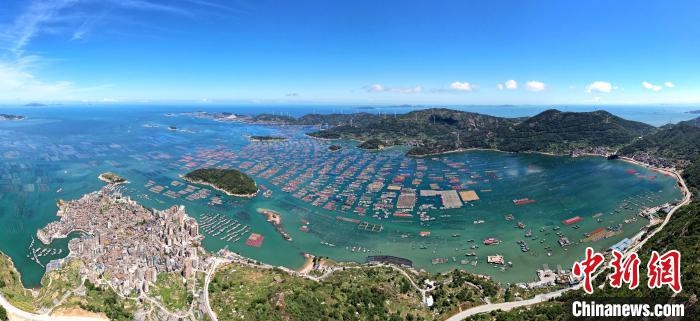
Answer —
(439, 130)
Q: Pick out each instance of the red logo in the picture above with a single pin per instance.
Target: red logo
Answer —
(626, 270)
(665, 270)
(662, 270)
(586, 267)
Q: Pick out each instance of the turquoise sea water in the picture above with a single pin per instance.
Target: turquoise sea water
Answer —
(59, 151)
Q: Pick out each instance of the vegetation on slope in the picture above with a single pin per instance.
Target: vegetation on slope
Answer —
(12, 288)
(239, 292)
(228, 180)
(557, 131)
(680, 142)
(172, 291)
(106, 301)
(439, 130)
(372, 144)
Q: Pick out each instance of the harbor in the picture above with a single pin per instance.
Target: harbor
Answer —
(349, 203)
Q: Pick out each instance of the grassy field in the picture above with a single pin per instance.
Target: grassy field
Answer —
(55, 284)
(364, 293)
(171, 289)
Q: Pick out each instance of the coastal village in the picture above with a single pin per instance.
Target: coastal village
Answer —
(123, 243)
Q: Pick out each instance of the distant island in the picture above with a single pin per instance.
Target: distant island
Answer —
(334, 148)
(268, 138)
(11, 117)
(34, 105)
(112, 178)
(230, 181)
(693, 112)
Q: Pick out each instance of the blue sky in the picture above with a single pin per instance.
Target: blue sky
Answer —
(355, 52)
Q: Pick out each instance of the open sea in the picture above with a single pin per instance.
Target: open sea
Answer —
(339, 204)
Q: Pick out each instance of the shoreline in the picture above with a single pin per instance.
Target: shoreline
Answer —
(309, 258)
(220, 189)
(308, 264)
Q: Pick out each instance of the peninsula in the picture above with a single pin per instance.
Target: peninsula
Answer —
(230, 181)
(125, 240)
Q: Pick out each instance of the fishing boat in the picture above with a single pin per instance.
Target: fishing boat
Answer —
(491, 241)
(523, 201)
(572, 220)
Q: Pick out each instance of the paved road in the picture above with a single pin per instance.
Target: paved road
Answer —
(207, 279)
(507, 305)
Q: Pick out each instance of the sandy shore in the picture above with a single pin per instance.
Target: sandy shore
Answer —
(308, 264)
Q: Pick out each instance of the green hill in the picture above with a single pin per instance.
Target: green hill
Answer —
(439, 130)
(228, 180)
(678, 141)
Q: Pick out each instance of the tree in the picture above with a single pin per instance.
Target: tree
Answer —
(3, 314)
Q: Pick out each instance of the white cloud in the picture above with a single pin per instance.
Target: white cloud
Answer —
(462, 86)
(650, 86)
(599, 86)
(512, 84)
(378, 88)
(669, 84)
(534, 85)
(500, 86)
(20, 84)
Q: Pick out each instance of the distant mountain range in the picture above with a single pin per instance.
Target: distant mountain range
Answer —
(440, 130)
